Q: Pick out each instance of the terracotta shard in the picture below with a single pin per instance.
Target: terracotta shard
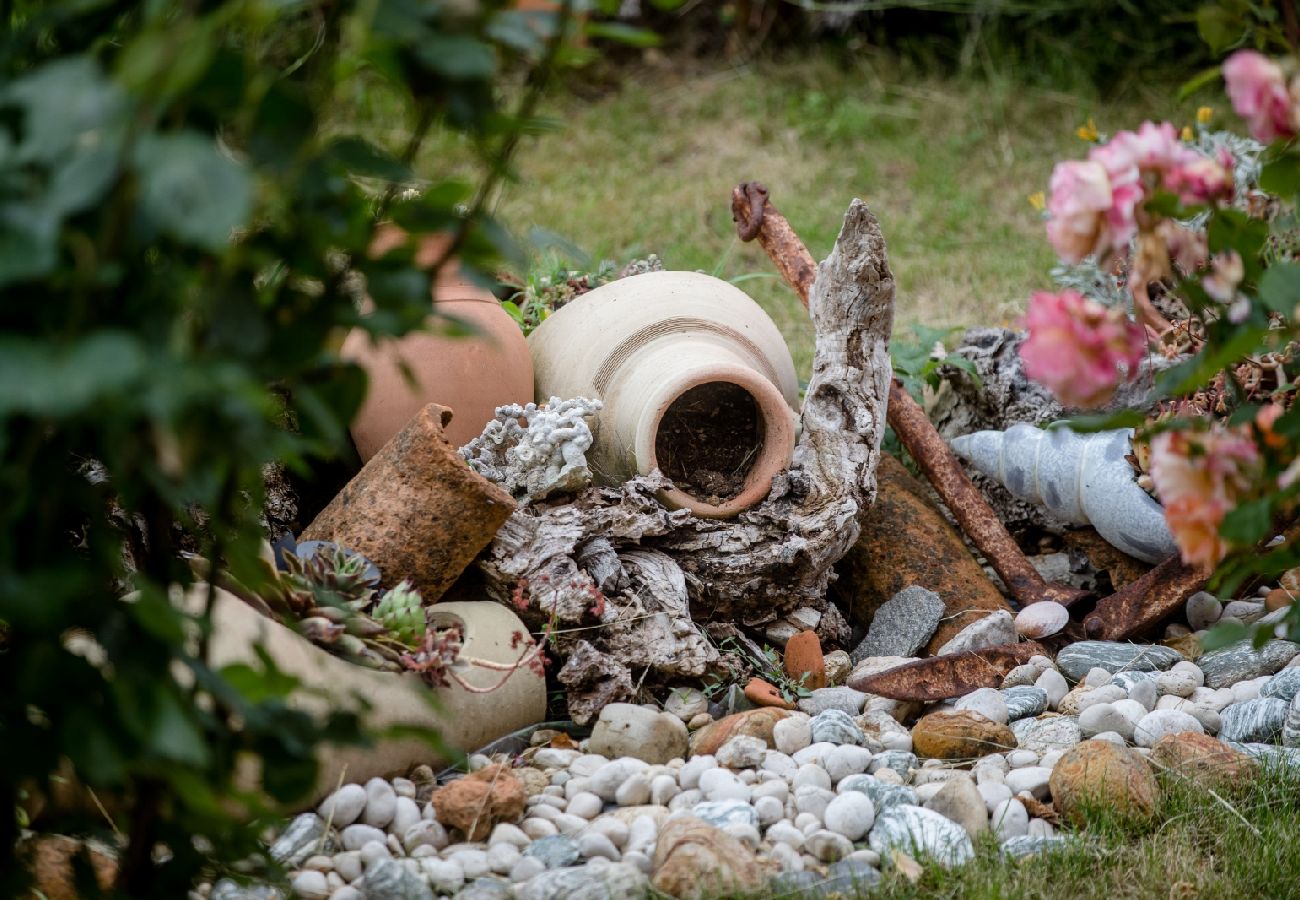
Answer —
(906, 540)
(943, 677)
(416, 509)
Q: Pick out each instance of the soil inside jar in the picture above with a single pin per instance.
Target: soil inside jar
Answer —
(709, 439)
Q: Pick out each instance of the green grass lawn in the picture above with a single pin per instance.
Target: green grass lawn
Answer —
(1240, 845)
(946, 164)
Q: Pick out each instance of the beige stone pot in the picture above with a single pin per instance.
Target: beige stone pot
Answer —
(465, 720)
(695, 378)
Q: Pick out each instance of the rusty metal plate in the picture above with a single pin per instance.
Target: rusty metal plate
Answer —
(944, 677)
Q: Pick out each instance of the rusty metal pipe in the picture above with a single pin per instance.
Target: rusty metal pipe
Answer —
(756, 218)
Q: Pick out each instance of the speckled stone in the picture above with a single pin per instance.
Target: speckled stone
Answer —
(388, 879)
(901, 761)
(1028, 844)
(1076, 659)
(1283, 686)
(1291, 728)
(723, 813)
(902, 625)
(883, 796)
(1270, 754)
(1240, 661)
(844, 699)
(1254, 721)
(835, 726)
(922, 834)
(1024, 701)
(1044, 735)
(299, 840)
(556, 851)
(1127, 681)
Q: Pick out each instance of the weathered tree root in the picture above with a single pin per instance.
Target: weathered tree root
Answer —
(619, 581)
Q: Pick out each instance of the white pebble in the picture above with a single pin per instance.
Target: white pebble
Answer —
(606, 780)
(1031, 779)
(593, 844)
(1009, 819)
(689, 775)
(405, 815)
(769, 810)
(374, 850)
(554, 758)
(344, 806)
(742, 752)
(526, 868)
(584, 804)
(505, 833)
(851, 815)
(811, 776)
(633, 792)
(425, 834)
(813, 800)
(993, 794)
(792, 734)
(311, 885)
(445, 875)
(786, 857)
(807, 823)
(355, 837)
(662, 789)
(987, 702)
(828, 846)
(1018, 759)
(813, 754)
(1053, 683)
(501, 858)
(348, 865)
(474, 863)
(381, 803)
(786, 833)
(570, 824)
(614, 829)
(538, 828)
(846, 760)
(745, 833)
(641, 833)
(775, 788)
(1161, 722)
(587, 765)
(1040, 828)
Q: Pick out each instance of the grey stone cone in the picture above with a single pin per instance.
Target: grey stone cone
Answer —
(1078, 478)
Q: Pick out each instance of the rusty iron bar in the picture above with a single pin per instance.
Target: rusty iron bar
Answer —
(1143, 603)
(756, 217)
(954, 675)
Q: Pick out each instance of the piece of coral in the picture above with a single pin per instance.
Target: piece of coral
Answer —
(543, 457)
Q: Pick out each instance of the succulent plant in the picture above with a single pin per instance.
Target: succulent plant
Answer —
(326, 578)
(401, 611)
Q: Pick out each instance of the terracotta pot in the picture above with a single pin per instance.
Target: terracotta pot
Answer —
(473, 375)
(674, 355)
(465, 720)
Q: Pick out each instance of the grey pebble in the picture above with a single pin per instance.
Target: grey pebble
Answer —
(1253, 721)
(1076, 659)
(1024, 701)
(1241, 661)
(902, 625)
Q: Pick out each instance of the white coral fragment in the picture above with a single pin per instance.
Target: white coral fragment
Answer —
(545, 456)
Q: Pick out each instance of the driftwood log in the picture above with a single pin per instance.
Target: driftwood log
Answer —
(621, 584)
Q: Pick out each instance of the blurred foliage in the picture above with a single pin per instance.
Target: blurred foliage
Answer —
(181, 244)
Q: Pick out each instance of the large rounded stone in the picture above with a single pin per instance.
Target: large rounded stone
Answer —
(960, 735)
(1101, 775)
(1201, 757)
(476, 803)
(625, 729)
(693, 859)
(752, 723)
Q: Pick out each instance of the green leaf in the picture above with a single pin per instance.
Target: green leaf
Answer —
(524, 31)
(622, 33)
(1232, 229)
(65, 102)
(1201, 79)
(42, 379)
(29, 243)
(1106, 421)
(361, 157)
(1248, 523)
(1224, 635)
(1279, 288)
(1218, 27)
(174, 734)
(456, 57)
(190, 190)
(1281, 176)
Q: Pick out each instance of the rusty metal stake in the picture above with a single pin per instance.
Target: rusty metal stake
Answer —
(1143, 603)
(755, 217)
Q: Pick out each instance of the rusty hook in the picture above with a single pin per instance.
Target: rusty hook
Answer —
(748, 204)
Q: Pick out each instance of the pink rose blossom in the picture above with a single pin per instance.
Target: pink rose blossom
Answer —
(1199, 179)
(1257, 88)
(1199, 476)
(1226, 272)
(1076, 347)
(1081, 196)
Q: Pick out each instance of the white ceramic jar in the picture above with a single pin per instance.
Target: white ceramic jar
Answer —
(696, 380)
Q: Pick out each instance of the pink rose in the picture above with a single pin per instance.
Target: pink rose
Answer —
(1080, 199)
(1199, 179)
(1078, 347)
(1257, 89)
(1199, 476)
